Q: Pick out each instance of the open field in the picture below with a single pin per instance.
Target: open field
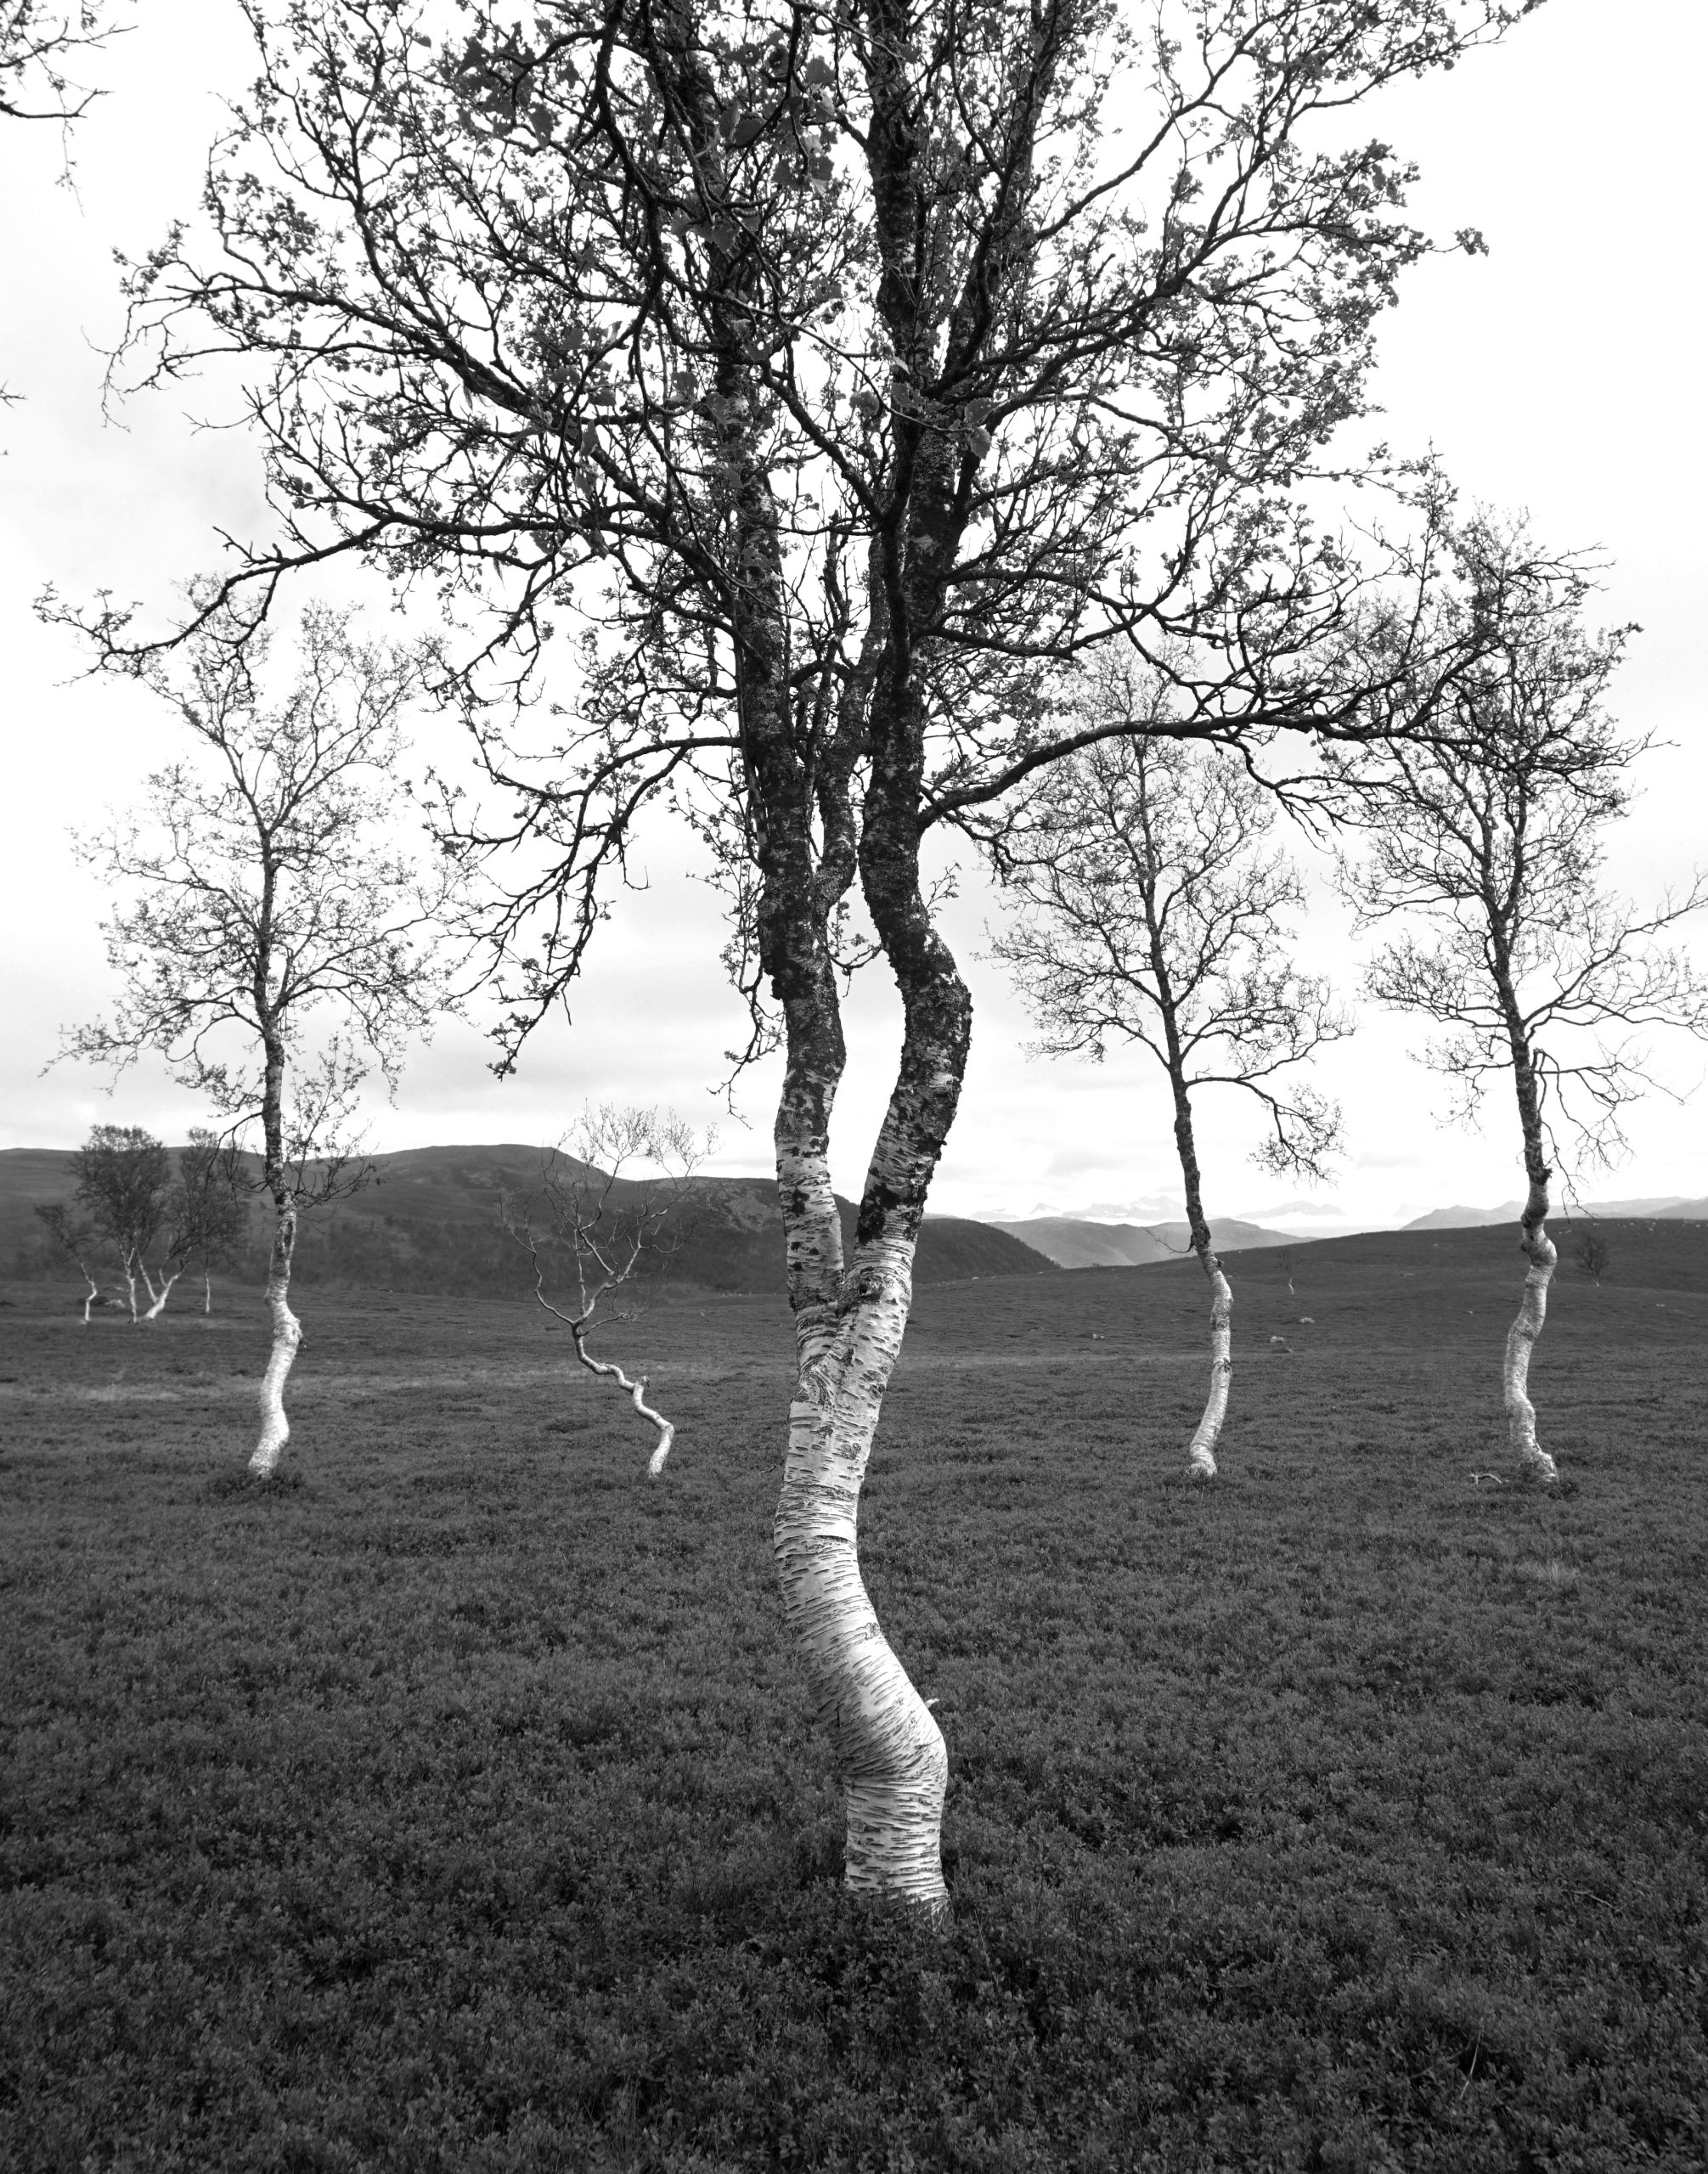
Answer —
(451, 1805)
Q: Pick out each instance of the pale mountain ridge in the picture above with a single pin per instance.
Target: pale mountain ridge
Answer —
(1076, 1241)
(1670, 1208)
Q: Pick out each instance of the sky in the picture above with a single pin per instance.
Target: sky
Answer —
(1561, 373)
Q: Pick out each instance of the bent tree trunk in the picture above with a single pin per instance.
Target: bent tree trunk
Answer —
(1534, 1242)
(1539, 1250)
(287, 1334)
(1201, 1451)
(890, 1753)
(157, 1299)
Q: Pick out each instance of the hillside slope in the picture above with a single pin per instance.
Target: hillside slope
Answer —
(432, 1223)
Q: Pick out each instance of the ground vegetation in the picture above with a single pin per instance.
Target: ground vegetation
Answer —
(411, 1814)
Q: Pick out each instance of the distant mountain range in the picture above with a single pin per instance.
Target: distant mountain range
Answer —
(432, 1223)
(1673, 1208)
(1071, 1243)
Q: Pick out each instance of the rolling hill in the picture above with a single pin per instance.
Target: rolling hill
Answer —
(1071, 1243)
(432, 1223)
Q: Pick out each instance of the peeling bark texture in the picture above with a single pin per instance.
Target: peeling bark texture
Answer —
(889, 1751)
(287, 1334)
(1539, 1250)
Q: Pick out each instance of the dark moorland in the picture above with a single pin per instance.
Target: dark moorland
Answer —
(429, 1220)
(451, 1805)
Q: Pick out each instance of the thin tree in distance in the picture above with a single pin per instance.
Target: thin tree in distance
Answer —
(264, 895)
(212, 1212)
(1592, 1251)
(1486, 848)
(79, 1238)
(615, 1230)
(1150, 914)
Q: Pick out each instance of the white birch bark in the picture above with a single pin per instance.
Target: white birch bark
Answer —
(94, 1293)
(1201, 1450)
(157, 1299)
(1539, 1250)
(1534, 1241)
(287, 1335)
(890, 1752)
(1201, 1455)
(637, 1393)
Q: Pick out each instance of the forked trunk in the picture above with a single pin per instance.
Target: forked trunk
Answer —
(891, 1753)
(1539, 1250)
(287, 1334)
(848, 1329)
(157, 1299)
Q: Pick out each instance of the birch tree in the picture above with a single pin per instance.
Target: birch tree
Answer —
(263, 896)
(614, 1230)
(839, 373)
(78, 1238)
(1150, 913)
(209, 1208)
(1485, 853)
(124, 1184)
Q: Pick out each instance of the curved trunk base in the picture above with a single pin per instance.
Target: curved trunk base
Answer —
(288, 1336)
(1521, 1336)
(1201, 1455)
(889, 1750)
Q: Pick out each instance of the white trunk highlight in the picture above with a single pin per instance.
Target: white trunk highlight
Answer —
(1521, 1419)
(1201, 1455)
(637, 1393)
(94, 1293)
(890, 1753)
(157, 1299)
(287, 1334)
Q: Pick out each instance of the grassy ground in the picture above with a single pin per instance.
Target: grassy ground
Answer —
(453, 1806)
